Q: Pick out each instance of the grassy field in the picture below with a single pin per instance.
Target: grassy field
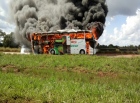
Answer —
(69, 79)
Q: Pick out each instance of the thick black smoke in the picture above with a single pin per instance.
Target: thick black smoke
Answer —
(50, 15)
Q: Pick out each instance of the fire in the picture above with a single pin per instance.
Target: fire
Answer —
(46, 40)
(95, 34)
(78, 35)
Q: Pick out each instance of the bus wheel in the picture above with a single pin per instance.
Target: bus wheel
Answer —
(82, 51)
(52, 52)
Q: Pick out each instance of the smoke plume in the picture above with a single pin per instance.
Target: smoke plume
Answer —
(50, 15)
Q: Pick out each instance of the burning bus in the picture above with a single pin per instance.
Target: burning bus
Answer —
(35, 18)
(67, 41)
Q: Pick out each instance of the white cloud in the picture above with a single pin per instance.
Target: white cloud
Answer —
(123, 7)
(112, 18)
(128, 34)
(5, 25)
(131, 30)
(107, 23)
(2, 13)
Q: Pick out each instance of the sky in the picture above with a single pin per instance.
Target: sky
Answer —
(122, 26)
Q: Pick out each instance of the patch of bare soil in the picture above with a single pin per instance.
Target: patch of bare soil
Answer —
(18, 53)
(80, 70)
(107, 74)
(10, 68)
(119, 55)
(128, 56)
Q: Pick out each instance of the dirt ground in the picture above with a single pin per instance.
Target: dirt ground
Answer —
(109, 55)
(14, 53)
(120, 55)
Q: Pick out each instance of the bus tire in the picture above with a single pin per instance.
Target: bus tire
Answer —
(52, 51)
(82, 51)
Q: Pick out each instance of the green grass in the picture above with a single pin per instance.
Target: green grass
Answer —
(69, 79)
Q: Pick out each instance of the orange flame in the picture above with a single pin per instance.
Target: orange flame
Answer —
(51, 37)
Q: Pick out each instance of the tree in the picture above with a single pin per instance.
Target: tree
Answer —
(2, 34)
(9, 41)
(139, 46)
(110, 46)
(1, 44)
(131, 46)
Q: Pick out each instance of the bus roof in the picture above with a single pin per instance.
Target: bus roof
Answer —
(65, 31)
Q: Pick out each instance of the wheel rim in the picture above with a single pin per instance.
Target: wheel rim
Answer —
(82, 52)
(52, 52)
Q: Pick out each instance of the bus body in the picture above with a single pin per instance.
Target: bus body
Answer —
(64, 42)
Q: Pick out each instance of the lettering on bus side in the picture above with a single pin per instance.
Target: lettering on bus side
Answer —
(74, 45)
(74, 42)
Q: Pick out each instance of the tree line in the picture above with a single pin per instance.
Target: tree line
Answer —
(111, 46)
(7, 40)
(118, 49)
